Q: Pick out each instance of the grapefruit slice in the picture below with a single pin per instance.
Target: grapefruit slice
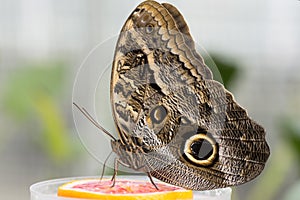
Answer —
(123, 189)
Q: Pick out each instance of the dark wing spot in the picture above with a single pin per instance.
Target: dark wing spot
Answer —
(201, 149)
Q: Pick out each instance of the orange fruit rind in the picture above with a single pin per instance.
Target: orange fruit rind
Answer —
(123, 190)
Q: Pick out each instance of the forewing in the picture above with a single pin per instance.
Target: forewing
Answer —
(149, 38)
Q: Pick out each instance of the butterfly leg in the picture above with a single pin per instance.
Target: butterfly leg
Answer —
(116, 165)
(104, 165)
(113, 178)
(149, 175)
(151, 180)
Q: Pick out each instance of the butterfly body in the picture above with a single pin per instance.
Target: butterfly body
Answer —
(174, 121)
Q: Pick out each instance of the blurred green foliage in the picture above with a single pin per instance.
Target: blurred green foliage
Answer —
(227, 69)
(290, 130)
(290, 133)
(33, 96)
(293, 192)
(30, 82)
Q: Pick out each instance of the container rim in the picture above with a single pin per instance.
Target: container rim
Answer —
(41, 189)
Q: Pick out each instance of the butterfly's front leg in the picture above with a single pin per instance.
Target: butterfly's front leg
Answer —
(116, 166)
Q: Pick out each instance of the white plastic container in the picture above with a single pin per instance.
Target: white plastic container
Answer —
(47, 190)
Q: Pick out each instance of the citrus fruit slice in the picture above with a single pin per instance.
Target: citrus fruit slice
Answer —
(123, 189)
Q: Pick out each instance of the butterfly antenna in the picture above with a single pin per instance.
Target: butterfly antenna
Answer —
(89, 117)
(104, 165)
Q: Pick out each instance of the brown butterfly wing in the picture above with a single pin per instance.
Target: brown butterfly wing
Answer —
(166, 105)
(242, 149)
(134, 61)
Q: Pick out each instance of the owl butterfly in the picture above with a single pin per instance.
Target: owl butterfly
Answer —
(175, 122)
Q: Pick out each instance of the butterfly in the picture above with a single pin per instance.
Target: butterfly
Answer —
(174, 122)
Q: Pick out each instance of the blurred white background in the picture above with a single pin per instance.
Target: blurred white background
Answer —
(43, 43)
